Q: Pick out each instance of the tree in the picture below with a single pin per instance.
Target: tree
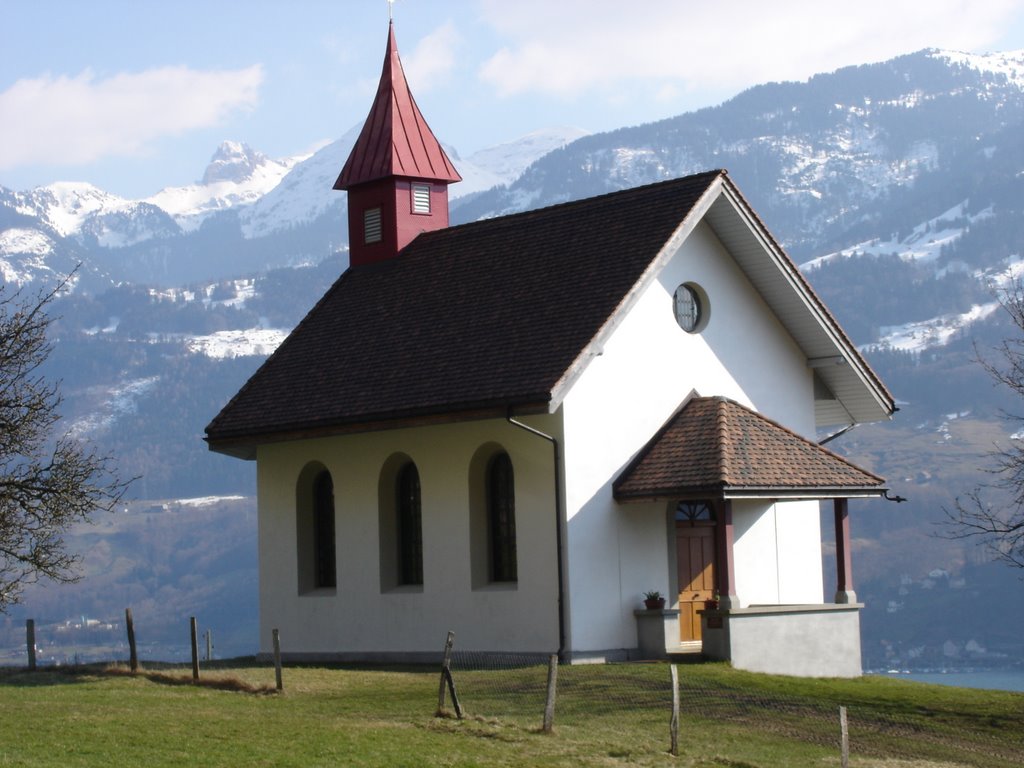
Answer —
(48, 481)
(999, 524)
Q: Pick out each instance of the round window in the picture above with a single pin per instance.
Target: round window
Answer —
(690, 308)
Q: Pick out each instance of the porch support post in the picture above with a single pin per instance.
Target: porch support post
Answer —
(726, 576)
(844, 567)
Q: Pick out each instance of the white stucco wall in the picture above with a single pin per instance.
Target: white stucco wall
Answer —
(777, 550)
(358, 616)
(647, 367)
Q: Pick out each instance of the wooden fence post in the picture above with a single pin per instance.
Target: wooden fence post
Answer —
(30, 643)
(133, 656)
(277, 659)
(445, 662)
(446, 679)
(549, 708)
(195, 649)
(844, 738)
(674, 724)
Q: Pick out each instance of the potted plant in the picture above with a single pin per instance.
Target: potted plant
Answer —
(653, 600)
(711, 604)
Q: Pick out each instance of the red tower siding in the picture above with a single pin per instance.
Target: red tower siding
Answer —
(399, 225)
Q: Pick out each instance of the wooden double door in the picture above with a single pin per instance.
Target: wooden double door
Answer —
(695, 559)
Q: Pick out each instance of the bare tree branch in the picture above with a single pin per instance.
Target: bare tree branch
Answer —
(48, 482)
(999, 524)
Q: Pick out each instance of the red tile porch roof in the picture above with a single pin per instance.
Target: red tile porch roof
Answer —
(715, 447)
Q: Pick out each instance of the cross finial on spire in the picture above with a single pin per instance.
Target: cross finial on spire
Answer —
(391, 10)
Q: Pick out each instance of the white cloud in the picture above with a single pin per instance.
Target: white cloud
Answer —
(433, 59)
(80, 119)
(569, 46)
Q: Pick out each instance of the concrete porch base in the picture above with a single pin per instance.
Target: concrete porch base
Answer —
(798, 640)
(656, 631)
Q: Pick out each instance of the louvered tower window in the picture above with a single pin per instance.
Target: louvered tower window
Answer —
(421, 198)
(371, 225)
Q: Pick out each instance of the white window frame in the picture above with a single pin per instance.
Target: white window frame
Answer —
(420, 198)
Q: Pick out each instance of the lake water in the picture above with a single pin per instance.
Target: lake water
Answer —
(996, 680)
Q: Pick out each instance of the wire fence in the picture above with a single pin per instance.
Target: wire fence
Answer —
(631, 704)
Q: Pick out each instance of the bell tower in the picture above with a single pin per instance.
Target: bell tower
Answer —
(397, 175)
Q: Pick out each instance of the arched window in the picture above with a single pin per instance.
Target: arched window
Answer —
(315, 529)
(324, 569)
(501, 519)
(410, 527)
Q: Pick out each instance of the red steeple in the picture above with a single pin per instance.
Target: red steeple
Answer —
(397, 175)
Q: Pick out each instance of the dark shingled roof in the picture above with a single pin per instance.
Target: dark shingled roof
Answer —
(717, 447)
(469, 319)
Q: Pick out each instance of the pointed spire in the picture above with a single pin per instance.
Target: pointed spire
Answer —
(395, 140)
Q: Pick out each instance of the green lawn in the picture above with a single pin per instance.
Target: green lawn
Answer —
(606, 716)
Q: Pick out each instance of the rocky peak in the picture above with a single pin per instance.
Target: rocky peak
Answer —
(233, 161)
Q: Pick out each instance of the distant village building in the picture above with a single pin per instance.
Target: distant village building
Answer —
(515, 428)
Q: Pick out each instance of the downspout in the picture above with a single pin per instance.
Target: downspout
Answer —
(559, 522)
(840, 433)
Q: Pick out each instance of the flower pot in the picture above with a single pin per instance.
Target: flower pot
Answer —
(711, 605)
(654, 605)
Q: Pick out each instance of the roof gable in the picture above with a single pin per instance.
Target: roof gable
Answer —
(849, 390)
(714, 446)
(470, 319)
(395, 139)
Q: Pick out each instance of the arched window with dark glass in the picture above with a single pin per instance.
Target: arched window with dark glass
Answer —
(324, 565)
(410, 526)
(501, 519)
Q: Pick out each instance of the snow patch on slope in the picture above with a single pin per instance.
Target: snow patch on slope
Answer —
(23, 254)
(115, 402)
(936, 332)
(206, 501)
(238, 343)
(923, 244)
(25, 241)
(1008, 63)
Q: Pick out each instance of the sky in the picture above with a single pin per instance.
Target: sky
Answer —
(135, 95)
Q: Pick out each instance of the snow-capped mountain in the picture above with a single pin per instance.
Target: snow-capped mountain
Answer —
(237, 175)
(304, 195)
(307, 192)
(504, 163)
(243, 199)
(64, 207)
(813, 156)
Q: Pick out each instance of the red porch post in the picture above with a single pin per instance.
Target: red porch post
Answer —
(726, 575)
(844, 566)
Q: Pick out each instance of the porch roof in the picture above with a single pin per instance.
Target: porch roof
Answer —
(714, 447)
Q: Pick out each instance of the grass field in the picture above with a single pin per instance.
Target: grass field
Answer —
(606, 716)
